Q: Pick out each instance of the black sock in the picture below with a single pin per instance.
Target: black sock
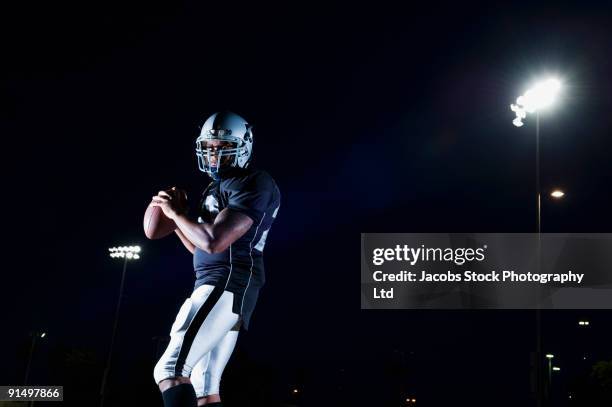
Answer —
(182, 395)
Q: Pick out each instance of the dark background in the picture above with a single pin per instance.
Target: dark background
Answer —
(371, 118)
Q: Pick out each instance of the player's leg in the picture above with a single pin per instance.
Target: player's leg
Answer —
(219, 356)
(203, 320)
(197, 376)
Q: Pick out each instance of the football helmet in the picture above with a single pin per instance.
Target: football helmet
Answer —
(225, 142)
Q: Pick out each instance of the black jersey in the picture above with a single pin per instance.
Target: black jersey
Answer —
(240, 268)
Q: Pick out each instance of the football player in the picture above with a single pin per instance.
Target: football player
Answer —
(227, 239)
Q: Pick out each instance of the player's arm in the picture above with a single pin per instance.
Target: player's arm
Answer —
(186, 242)
(215, 237)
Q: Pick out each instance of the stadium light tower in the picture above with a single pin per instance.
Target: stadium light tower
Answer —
(127, 253)
(540, 97)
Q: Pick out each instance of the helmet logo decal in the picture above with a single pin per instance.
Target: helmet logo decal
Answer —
(219, 133)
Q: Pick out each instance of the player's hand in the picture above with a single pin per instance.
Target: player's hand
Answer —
(173, 202)
(180, 195)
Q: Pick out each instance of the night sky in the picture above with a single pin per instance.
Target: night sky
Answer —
(371, 118)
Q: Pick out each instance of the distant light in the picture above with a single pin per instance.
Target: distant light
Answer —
(550, 355)
(542, 95)
(295, 391)
(414, 400)
(583, 323)
(557, 193)
(556, 369)
(42, 335)
(123, 252)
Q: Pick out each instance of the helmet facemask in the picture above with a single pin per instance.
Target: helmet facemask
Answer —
(217, 153)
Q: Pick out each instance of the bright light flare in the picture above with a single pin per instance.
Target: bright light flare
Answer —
(125, 252)
(557, 194)
(550, 356)
(541, 96)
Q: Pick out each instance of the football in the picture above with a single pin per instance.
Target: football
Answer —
(156, 224)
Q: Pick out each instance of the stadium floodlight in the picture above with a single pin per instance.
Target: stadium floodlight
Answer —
(126, 253)
(549, 356)
(556, 368)
(539, 97)
(542, 95)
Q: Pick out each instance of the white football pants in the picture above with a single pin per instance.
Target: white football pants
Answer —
(202, 323)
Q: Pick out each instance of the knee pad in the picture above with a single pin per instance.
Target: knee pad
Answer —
(159, 373)
(162, 371)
